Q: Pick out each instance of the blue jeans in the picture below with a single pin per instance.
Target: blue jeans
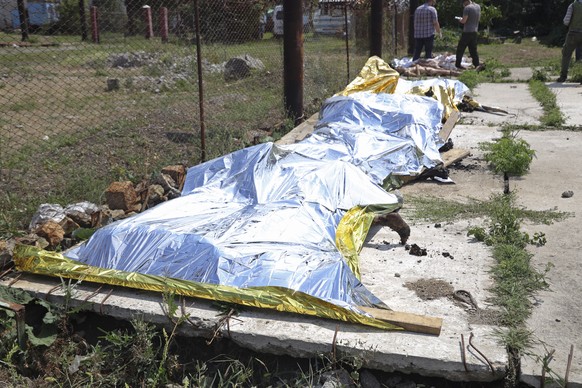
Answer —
(419, 43)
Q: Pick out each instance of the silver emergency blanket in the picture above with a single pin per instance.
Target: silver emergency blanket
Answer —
(267, 215)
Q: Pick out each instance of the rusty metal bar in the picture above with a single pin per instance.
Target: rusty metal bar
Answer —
(83, 20)
(95, 25)
(411, 8)
(481, 353)
(569, 365)
(19, 311)
(463, 354)
(376, 16)
(23, 17)
(200, 83)
(149, 27)
(293, 58)
(164, 24)
(347, 39)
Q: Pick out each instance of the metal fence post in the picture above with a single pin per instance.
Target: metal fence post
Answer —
(376, 30)
(148, 21)
(94, 25)
(164, 24)
(23, 15)
(200, 83)
(83, 20)
(293, 58)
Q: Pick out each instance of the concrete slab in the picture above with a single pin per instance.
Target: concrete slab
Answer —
(513, 98)
(568, 97)
(300, 336)
(556, 320)
(520, 74)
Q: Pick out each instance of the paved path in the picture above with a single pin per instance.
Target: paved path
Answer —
(556, 320)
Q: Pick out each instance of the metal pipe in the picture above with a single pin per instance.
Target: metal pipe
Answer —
(83, 20)
(149, 32)
(23, 15)
(412, 7)
(19, 311)
(293, 59)
(94, 25)
(164, 24)
(200, 84)
(376, 16)
(347, 38)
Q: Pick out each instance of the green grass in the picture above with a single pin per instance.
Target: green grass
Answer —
(516, 281)
(552, 116)
(433, 209)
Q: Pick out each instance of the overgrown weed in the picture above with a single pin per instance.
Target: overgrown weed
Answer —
(553, 116)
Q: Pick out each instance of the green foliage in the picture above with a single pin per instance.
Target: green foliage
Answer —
(505, 220)
(515, 281)
(493, 72)
(489, 13)
(508, 156)
(540, 75)
(552, 117)
(575, 71)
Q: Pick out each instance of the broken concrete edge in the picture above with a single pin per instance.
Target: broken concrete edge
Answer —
(253, 329)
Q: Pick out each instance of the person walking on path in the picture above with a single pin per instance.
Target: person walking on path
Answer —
(573, 20)
(426, 23)
(470, 22)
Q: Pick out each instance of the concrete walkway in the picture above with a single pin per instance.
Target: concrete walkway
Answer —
(454, 262)
(556, 320)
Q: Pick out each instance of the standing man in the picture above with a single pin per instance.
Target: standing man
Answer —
(426, 22)
(470, 22)
(573, 20)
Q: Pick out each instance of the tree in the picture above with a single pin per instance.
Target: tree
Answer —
(508, 156)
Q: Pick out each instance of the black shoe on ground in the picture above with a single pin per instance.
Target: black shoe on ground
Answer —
(561, 79)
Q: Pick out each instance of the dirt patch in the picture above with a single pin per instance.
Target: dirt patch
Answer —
(429, 289)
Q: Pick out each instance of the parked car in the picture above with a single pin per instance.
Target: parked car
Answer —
(331, 21)
(278, 21)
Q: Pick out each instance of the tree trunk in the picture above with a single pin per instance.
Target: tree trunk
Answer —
(505, 183)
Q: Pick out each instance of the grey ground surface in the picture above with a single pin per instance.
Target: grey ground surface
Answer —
(556, 321)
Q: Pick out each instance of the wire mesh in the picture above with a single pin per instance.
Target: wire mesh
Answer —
(108, 90)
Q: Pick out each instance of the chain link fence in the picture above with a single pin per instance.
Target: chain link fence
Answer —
(111, 89)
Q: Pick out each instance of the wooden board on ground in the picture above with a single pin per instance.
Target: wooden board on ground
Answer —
(300, 132)
(449, 125)
(454, 155)
(410, 322)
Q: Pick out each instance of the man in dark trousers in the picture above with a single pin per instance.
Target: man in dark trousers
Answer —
(573, 20)
(426, 23)
(470, 22)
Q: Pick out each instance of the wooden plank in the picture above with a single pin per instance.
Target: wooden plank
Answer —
(449, 125)
(408, 321)
(300, 132)
(454, 155)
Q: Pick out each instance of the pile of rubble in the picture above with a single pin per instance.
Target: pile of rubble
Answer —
(54, 226)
